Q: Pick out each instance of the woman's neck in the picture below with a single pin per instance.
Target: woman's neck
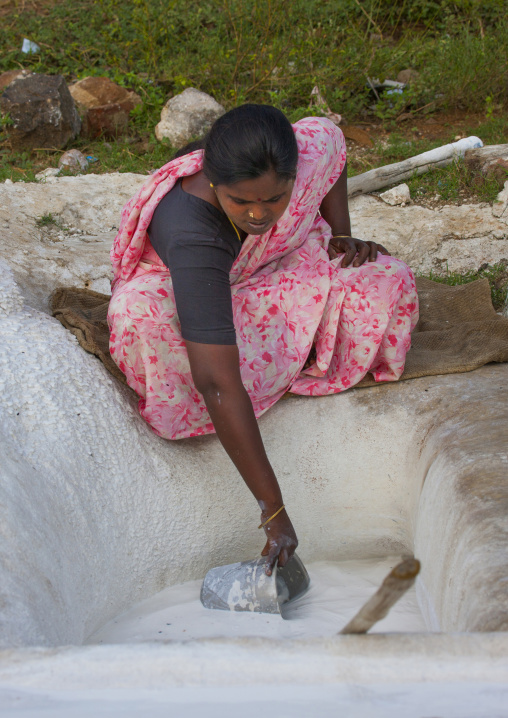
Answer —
(199, 186)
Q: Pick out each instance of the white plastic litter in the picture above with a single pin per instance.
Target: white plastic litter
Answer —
(29, 47)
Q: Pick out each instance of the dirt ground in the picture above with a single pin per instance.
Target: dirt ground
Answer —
(444, 126)
(40, 7)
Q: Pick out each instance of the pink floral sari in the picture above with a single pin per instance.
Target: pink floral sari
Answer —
(287, 296)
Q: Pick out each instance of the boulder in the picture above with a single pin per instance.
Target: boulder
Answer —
(103, 105)
(73, 161)
(408, 75)
(74, 251)
(397, 195)
(500, 206)
(7, 77)
(42, 111)
(458, 238)
(187, 115)
(489, 160)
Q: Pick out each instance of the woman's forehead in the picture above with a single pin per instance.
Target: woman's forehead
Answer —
(261, 188)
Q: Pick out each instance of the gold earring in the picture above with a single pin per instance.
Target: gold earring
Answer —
(211, 185)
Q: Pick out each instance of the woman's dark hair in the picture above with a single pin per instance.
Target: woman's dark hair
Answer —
(191, 147)
(247, 142)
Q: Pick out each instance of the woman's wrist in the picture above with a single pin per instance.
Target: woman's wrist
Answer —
(338, 231)
(271, 517)
(268, 507)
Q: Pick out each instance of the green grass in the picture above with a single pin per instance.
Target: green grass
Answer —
(496, 274)
(126, 154)
(48, 220)
(455, 183)
(271, 51)
(493, 131)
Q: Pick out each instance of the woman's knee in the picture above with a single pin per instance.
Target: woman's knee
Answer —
(390, 266)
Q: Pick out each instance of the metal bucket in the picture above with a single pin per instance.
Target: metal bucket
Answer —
(246, 587)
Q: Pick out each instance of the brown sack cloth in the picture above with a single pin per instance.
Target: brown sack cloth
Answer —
(84, 313)
(458, 330)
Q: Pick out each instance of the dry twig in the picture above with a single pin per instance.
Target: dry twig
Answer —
(395, 585)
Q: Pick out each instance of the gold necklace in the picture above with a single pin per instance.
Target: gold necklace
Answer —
(235, 228)
(227, 215)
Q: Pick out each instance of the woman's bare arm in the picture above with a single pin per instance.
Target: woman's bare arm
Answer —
(334, 207)
(216, 374)
(334, 210)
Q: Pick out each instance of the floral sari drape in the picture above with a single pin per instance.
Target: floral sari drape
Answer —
(286, 294)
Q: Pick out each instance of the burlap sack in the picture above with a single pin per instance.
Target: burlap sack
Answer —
(458, 330)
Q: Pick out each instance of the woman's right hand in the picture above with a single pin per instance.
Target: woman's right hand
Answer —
(281, 540)
(216, 374)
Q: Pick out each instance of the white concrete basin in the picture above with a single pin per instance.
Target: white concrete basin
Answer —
(98, 513)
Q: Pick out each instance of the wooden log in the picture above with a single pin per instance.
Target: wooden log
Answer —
(395, 585)
(399, 171)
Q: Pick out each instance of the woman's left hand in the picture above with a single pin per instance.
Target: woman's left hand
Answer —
(355, 251)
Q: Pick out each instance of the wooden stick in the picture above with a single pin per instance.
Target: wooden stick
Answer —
(399, 171)
(395, 585)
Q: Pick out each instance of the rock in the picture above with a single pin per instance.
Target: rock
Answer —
(460, 237)
(457, 238)
(397, 195)
(357, 135)
(407, 76)
(7, 77)
(74, 252)
(73, 161)
(100, 91)
(500, 205)
(42, 111)
(498, 169)
(48, 173)
(187, 115)
(104, 105)
(491, 159)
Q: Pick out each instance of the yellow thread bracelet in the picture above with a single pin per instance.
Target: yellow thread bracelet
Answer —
(271, 517)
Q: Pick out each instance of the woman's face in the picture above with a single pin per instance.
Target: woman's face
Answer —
(255, 205)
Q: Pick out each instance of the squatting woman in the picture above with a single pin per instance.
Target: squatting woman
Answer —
(236, 279)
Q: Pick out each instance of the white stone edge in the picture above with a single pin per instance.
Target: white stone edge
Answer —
(377, 658)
